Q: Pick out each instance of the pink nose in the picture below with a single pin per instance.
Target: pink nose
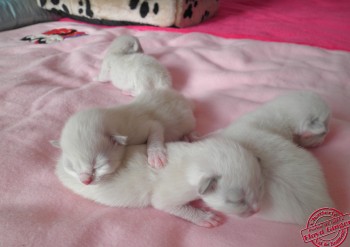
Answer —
(85, 178)
(88, 181)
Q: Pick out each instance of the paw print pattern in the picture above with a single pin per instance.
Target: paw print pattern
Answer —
(84, 7)
(144, 7)
(205, 15)
(80, 7)
(88, 10)
(42, 3)
(191, 4)
(54, 2)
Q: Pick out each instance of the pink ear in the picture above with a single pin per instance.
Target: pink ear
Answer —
(208, 184)
(138, 47)
(122, 140)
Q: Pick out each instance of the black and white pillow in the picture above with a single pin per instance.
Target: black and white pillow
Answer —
(162, 13)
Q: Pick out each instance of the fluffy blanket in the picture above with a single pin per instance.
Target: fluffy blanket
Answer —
(41, 85)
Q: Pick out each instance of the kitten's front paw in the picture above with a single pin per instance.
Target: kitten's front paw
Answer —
(157, 157)
(209, 219)
(129, 93)
(100, 79)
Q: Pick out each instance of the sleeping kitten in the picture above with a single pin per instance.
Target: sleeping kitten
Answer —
(294, 183)
(239, 171)
(131, 70)
(301, 115)
(217, 170)
(93, 139)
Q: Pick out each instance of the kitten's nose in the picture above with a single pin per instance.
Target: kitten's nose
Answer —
(85, 178)
(87, 181)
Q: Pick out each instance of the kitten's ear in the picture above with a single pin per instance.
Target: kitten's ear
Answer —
(55, 143)
(258, 159)
(122, 140)
(139, 48)
(207, 184)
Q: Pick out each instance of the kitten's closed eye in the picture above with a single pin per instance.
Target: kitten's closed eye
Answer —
(68, 166)
(237, 202)
(314, 121)
(237, 197)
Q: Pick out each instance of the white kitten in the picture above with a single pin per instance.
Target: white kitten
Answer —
(294, 183)
(131, 70)
(301, 115)
(93, 139)
(239, 171)
(218, 170)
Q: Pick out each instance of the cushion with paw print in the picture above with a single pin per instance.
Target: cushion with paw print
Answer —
(163, 13)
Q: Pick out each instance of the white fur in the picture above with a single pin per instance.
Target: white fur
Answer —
(93, 139)
(300, 115)
(217, 170)
(131, 70)
(238, 171)
(294, 183)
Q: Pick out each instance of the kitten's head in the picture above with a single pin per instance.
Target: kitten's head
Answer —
(229, 180)
(126, 44)
(93, 161)
(308, 114)
(90, 154)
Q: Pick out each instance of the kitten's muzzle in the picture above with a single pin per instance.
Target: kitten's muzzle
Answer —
(85, 178)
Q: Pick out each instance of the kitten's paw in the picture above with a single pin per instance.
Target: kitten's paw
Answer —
(129, 93)
(209, 220)
(100, 79)
(191, 137)
(157, 157)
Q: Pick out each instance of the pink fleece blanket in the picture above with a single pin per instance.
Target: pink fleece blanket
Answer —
(42, 85)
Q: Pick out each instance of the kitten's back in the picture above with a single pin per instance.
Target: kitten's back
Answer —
(171, 109)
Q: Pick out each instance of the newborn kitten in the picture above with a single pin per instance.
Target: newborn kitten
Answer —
(294, 184)
(131, 70)
(301, 116)
(239, 171)
(217, 170)
(94, 139)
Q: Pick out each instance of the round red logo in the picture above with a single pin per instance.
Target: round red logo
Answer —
(326, 227)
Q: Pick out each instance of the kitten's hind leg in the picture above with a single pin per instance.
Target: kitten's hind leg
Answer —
(172, 196)
(156, 151)
(197, 216)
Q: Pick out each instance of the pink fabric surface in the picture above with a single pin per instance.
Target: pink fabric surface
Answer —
(322, 23)
(42, 85)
